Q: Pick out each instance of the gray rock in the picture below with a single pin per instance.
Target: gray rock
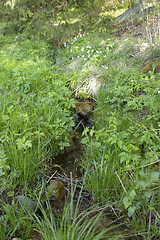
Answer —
(27, 203)
(137, 11)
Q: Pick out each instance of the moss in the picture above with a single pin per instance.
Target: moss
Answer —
(152, 65)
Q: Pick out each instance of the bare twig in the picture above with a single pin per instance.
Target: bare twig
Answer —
(121, 183)
(114, 211)
(146, 165)
(156, 213)
(102, 208)
(149, 164)
(2, 223)
(50, 178)
(149, 227)
(153, 153)
(136, 234)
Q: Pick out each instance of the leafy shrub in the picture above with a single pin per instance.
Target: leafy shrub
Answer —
(36, 107)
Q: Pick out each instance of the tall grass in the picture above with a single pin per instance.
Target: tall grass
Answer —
(73, 223)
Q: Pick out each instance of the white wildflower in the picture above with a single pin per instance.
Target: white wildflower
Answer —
(82, 49)
(65, 45)
(159, 92)
(105, 67)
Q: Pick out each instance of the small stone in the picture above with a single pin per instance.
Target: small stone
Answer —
(84, 109)
(26, 202)
(56, 188)
(17, 239)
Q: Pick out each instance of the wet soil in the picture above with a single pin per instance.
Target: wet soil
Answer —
(68, 169)
(68, 162)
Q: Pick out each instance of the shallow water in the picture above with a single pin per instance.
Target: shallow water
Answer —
(69, 160)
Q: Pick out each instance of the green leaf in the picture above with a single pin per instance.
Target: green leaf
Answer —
(155, 176)
(125, 148)
(85, 140)
(132, 194)
(148, 194)
(126, 202)
(124, 157)
(28, 143)
(143, 184)
(1, 172)
(154, 64)
(120, 142)
(131, 211)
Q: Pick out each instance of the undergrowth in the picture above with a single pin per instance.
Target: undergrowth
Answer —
(121, 152)
(36, 108)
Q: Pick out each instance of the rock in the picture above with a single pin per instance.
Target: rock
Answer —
(82, 118)
(152, 65)
(26, 202)
(56, 188)
(84, 109)
(139, 10)
(17, 239)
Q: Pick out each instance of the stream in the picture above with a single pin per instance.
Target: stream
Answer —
(65, 171)
(68, 165)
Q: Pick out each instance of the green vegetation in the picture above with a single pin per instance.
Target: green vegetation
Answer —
(52, 54)
(35, 108)
(72, 224)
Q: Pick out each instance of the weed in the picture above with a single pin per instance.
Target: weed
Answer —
(74, 223)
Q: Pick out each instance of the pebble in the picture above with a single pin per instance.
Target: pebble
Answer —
(17, 239)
